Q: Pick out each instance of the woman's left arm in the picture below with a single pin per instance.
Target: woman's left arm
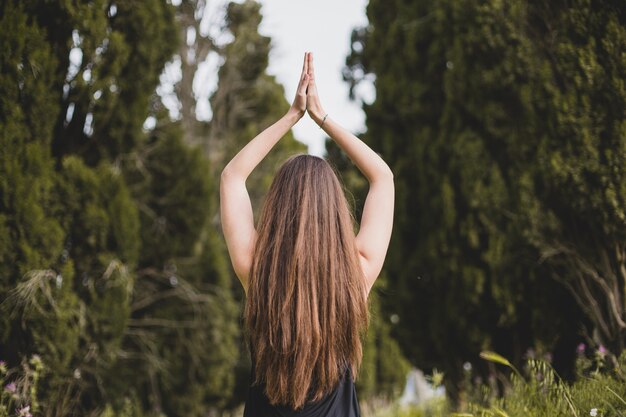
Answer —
(235, 206)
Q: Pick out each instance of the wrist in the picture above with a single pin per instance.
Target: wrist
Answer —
(317, 116)
(294, 115)
(322, 121)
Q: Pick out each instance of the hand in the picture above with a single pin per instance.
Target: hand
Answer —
(313, 105)
(298, 106)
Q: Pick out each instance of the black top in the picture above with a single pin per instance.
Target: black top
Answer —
(341, 402)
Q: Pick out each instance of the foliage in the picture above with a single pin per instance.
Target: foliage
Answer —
(536, 391)
(184, 303)
(19, 388)
(119, 310)
(504, 125)
(543, 393)
(577, 218)
(29, 234)
(247, 99)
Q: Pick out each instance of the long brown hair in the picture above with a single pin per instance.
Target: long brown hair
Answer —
(306, 307)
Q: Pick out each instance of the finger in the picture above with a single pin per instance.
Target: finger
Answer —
(304, 80)
(312, 87)
(305, 70)
(311, 69)
(304, 83)
(306, 62)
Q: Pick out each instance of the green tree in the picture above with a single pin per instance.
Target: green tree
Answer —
(83, 266)
(184, 322)
(576, 193)
(109, 59)
(31, 237)
(102, 245)
(476, 121)
(70, 231)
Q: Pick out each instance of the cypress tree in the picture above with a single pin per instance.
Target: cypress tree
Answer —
(38, 307)
(492, 179)
(184, 318)
(80, 255)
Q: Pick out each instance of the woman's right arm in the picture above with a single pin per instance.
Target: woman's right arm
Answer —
(377, 219)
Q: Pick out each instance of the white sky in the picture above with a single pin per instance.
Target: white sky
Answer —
(322, 27)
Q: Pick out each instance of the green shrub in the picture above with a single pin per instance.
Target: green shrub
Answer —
(599, 391)
(535, 391)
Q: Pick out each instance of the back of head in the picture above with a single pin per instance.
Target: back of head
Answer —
(306, 307)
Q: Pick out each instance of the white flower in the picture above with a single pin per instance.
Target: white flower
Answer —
(593, 412)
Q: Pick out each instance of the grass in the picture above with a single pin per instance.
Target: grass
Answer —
(535, 391)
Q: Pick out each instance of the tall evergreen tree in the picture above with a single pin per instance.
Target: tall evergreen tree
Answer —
(184, 319)
(475, 120)
(31, 237)
(108, 272)
(73, 230)
(576, 193)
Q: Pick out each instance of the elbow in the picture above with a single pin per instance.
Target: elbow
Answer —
(383, 176)
(225, 178)
(227, 174)
(387, 173)
(230, 176)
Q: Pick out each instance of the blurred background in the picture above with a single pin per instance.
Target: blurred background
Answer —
(504, 289)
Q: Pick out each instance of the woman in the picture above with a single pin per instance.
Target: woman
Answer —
(305, 274)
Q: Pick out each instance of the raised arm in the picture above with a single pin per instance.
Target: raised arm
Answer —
(235, 206)
(377, 218)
